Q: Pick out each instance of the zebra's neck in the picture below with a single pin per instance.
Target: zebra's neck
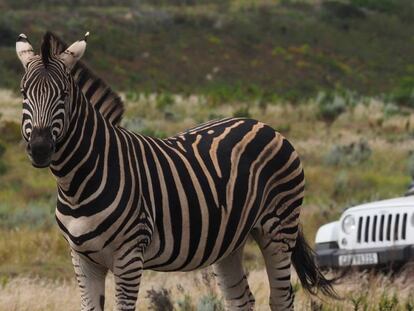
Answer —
(81, 150)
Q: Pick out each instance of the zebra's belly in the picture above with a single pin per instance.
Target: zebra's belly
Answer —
(199, 243)
(182, 263)
(163, 267)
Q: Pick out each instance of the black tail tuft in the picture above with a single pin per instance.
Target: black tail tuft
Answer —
(311, 277)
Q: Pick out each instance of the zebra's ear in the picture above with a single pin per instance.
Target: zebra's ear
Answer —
(74, 53)
(24, 50)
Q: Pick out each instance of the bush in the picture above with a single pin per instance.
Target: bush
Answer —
(164, 100)
(186, 304)
(36, 215)
(185, 2)
(210, 302)
(352, 154)
(10, 131)
(343, 10)
(391, 109)
(410, 165)
(2, 149)
(403, 94)
(242, 113)
(341, 184)
(331, 105)
(386, 6)
(3, 167)
(153, 133)
(160, 300)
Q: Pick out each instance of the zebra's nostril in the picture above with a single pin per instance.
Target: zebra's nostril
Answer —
(40, 151)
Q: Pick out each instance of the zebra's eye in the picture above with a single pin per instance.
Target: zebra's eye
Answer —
(23, 93)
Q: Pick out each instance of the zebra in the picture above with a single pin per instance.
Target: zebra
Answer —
(128, 202)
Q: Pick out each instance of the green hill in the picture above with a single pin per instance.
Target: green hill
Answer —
(233, 50)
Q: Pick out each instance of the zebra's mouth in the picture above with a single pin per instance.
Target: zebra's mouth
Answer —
(42, 164)
(40, 149)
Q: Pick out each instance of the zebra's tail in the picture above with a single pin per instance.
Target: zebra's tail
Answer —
(311, 277)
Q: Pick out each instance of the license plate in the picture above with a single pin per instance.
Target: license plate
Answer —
(358, 259)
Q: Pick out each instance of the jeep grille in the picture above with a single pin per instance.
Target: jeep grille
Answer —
(381, 228)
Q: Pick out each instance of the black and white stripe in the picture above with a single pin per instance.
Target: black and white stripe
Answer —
(128, 202)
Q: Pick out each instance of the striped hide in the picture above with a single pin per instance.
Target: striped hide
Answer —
(129, 202)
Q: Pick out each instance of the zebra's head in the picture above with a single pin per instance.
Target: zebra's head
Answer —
(46, 89)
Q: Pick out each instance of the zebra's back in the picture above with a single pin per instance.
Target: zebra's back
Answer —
(217, 182)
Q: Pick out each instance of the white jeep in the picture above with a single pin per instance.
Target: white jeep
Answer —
(376, 233)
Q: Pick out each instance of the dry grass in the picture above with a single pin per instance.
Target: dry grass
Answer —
(369, 290)
(10, 106)
(33, 252)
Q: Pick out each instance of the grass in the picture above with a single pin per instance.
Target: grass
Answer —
(191, 291)
(32, 252)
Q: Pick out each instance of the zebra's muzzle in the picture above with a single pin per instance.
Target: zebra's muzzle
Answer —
(41, 147)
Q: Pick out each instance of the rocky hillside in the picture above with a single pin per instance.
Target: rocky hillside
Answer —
(233, 50)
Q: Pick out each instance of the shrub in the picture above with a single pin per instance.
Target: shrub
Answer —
(10, 131)
(3, 166)
(391, 109)
(186, 304)
(135, 124)
(4, 280)
(410, 165)
(210, 302)
(153, 133)
(242, 112)
(2, 149)
(330, 106)
(160, 300)
(36, 215)
(351, 154)
(386, 6)
(403, 94)
(341, 184)
(164, 100)
(343, 10)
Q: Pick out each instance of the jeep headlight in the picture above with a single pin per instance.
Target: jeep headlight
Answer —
(348, 224)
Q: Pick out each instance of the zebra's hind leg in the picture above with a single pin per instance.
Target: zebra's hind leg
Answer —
(128, 267)
(232, 281)
(277, 257)
(91, 280)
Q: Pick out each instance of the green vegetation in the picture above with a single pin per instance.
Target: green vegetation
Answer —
(229, 50)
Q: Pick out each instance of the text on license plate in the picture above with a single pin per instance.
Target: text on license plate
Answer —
(358, 259)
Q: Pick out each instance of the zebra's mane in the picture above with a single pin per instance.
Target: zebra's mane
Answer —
(45, 49)
(97, 92)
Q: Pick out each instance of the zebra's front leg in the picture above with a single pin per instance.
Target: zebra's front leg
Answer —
(91, 280)
(128, 269)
